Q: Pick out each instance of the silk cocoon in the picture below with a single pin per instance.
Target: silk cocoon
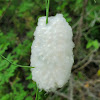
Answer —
(52, 53)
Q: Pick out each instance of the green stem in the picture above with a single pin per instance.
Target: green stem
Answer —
(15, 64)
(47, 10)
(37, 93)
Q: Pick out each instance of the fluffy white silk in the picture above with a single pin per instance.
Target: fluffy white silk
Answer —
(52, 53)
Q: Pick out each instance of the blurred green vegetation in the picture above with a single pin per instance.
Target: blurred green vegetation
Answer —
(18, 20)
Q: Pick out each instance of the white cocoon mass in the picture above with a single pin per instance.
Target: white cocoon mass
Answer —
(52, 53)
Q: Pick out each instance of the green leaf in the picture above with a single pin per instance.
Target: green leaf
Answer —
(98, 73)
(29, 98)
(96, 44)
(1, 12)
(89, 44)
(93, 43)
(25, 6)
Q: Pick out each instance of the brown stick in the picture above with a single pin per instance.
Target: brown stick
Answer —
(80, 26)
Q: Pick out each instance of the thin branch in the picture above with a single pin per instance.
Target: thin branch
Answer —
(71, 87)
(88, 92)
(15, 64)
(80, 27)
(77, 66)
(61, 94)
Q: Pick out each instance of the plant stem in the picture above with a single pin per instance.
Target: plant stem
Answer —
(15, 64)
(47, 14)
(47, 10)
(37, 93)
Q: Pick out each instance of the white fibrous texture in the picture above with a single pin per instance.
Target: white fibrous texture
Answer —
(52, 53)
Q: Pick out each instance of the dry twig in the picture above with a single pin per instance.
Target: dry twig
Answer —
(71, 87)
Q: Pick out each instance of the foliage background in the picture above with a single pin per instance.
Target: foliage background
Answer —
(18, 20)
